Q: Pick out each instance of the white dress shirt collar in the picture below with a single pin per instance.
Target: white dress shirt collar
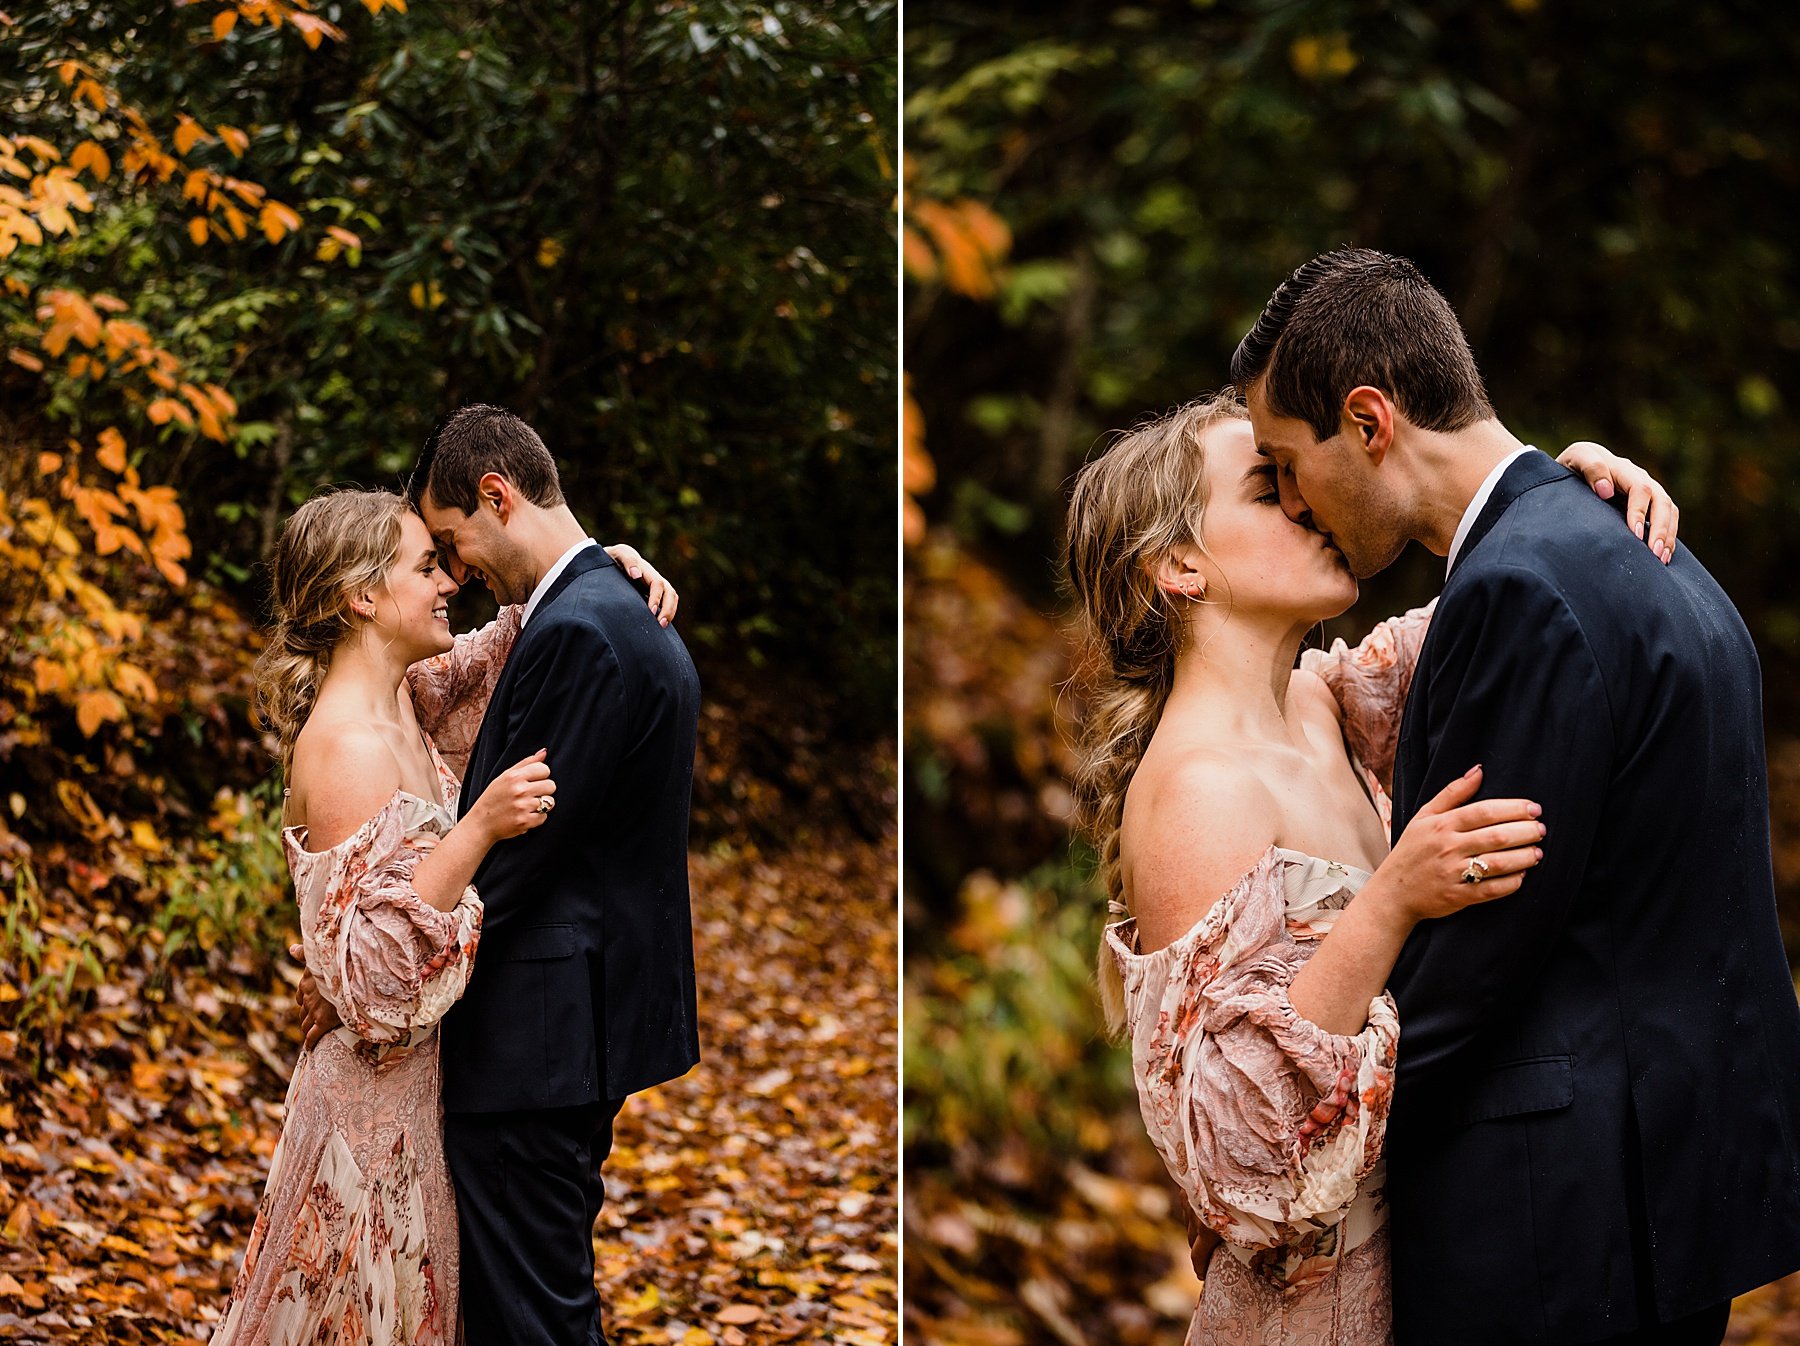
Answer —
(1473, 512)
(543, 586)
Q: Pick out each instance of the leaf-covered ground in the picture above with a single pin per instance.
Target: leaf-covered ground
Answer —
(754, 1199)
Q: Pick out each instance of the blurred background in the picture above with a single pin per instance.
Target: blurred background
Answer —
(1099, 200)
(250, 248)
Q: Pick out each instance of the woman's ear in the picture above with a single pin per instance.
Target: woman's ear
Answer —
(1178, 574)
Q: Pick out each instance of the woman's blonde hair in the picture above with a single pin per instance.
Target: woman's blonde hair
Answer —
(1132, 506)
(337, 544)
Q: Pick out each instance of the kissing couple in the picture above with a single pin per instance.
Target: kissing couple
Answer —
(523, 788)
(1457, 1002)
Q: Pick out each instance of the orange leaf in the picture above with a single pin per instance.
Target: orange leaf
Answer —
(344, 236)
(90, 92)
(223, 23)
(235, 140)
(166, 409)
(48, 463)
(277, 220)
(88, 155)
(112, 449)
(740, 1314)
(25, 360)
(93, 709)
(197, 229)
(188, 133)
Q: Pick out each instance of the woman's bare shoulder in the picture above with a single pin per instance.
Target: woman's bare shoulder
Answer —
(1193, 828)
(344, 771)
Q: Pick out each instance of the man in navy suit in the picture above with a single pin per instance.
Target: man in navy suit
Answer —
(583, 990)
(1596, 1126)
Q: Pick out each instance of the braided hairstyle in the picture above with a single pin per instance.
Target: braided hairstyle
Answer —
(336, 544)
(1133, 505)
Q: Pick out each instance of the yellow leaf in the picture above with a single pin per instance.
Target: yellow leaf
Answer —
(549, 252)
(197, 229)
(223, 23)
(112, 449)
(88, 155)
(45, 151)
(114, 1243)
(134, 681)
(639, 1304)
(144, 837)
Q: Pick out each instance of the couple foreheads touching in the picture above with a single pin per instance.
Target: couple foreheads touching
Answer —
(487, 835)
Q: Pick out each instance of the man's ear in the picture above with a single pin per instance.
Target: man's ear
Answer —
(495, 492)
(1368, 418)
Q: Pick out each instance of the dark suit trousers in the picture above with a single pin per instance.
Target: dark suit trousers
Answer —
(528, 1191)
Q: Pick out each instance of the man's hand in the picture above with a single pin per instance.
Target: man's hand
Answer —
(318, 1016)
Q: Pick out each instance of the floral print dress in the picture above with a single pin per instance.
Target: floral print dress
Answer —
(355, 1239)
(1271, 1126)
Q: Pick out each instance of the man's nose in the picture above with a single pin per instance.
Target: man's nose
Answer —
(1292, 504)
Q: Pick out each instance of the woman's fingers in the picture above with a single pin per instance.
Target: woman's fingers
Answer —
(1492, 812)
(1515, 860)
(1503, 837)
(1457, 793)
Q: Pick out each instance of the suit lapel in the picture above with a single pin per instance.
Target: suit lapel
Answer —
(480, 770)
(1529, 472)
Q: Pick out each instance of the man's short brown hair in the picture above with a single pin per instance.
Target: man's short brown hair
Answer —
(1358, 317)
(474, 441)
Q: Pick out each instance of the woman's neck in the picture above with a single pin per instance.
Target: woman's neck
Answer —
(1231, 682)
(364, 681)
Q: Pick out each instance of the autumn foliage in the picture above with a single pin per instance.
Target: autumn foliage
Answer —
(148, 407)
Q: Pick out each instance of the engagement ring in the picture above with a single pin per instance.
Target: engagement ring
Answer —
(545, 803)
(1476, 872)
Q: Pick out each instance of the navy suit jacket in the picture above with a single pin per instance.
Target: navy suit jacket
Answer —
(1603, 1069)
(583, 987)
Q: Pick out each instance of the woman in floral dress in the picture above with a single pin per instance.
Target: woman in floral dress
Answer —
(1239, 805)
(355, 1238)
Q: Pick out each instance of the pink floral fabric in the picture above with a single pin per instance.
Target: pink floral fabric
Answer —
(1370, 683)
(355, 1239)
(451, 691)
(1271, 1126)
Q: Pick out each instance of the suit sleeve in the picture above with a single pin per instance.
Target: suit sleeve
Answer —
(1514, 686)
(570, 697)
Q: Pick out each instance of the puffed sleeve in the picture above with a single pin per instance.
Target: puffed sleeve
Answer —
(450, 691)
(1267, 1121)
(388, 960)
(1370, 682)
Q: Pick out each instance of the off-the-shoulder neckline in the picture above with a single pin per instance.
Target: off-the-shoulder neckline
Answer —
(1275, 852)
(289, 834)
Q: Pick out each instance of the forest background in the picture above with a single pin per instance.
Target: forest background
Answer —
(252, 248)
(1099, 200)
